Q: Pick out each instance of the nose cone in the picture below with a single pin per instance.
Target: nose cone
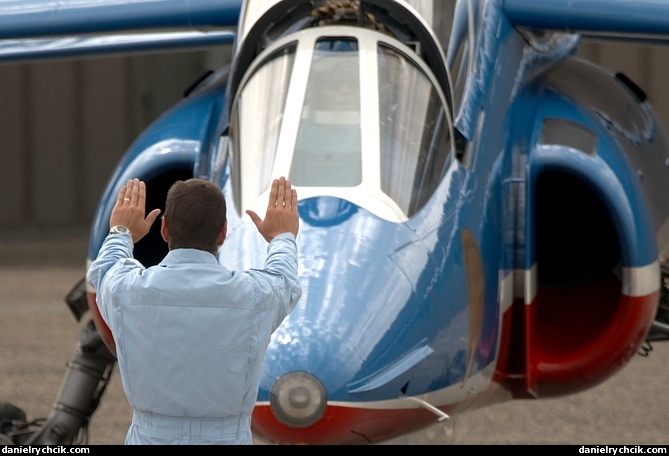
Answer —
(306, 369)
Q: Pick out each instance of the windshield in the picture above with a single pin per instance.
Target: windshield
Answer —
(351, 115)
(328, 150)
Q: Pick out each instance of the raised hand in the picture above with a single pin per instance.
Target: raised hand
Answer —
(281, 215)
(130, 208)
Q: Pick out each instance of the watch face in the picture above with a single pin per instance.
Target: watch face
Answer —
(118, 229)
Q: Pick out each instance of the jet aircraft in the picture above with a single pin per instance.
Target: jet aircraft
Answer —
(483, 213)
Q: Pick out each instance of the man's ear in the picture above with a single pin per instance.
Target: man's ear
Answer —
(221, 235)
(164, 232)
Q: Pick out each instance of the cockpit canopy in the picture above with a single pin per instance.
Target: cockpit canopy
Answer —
(343, 111)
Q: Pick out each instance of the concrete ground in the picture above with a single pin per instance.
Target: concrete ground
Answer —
(38, 335)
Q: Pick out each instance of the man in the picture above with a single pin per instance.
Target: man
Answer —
(190, 334)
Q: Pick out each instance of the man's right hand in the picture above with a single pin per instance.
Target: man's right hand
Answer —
(281, 215)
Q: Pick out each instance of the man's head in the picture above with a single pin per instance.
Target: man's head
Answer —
(195, 216)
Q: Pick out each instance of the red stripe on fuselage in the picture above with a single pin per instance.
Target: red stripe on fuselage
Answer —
(342, 426)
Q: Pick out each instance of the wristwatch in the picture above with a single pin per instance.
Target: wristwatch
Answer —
(119, 229)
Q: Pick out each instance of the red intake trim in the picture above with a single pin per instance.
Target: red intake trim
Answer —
(577, 338)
